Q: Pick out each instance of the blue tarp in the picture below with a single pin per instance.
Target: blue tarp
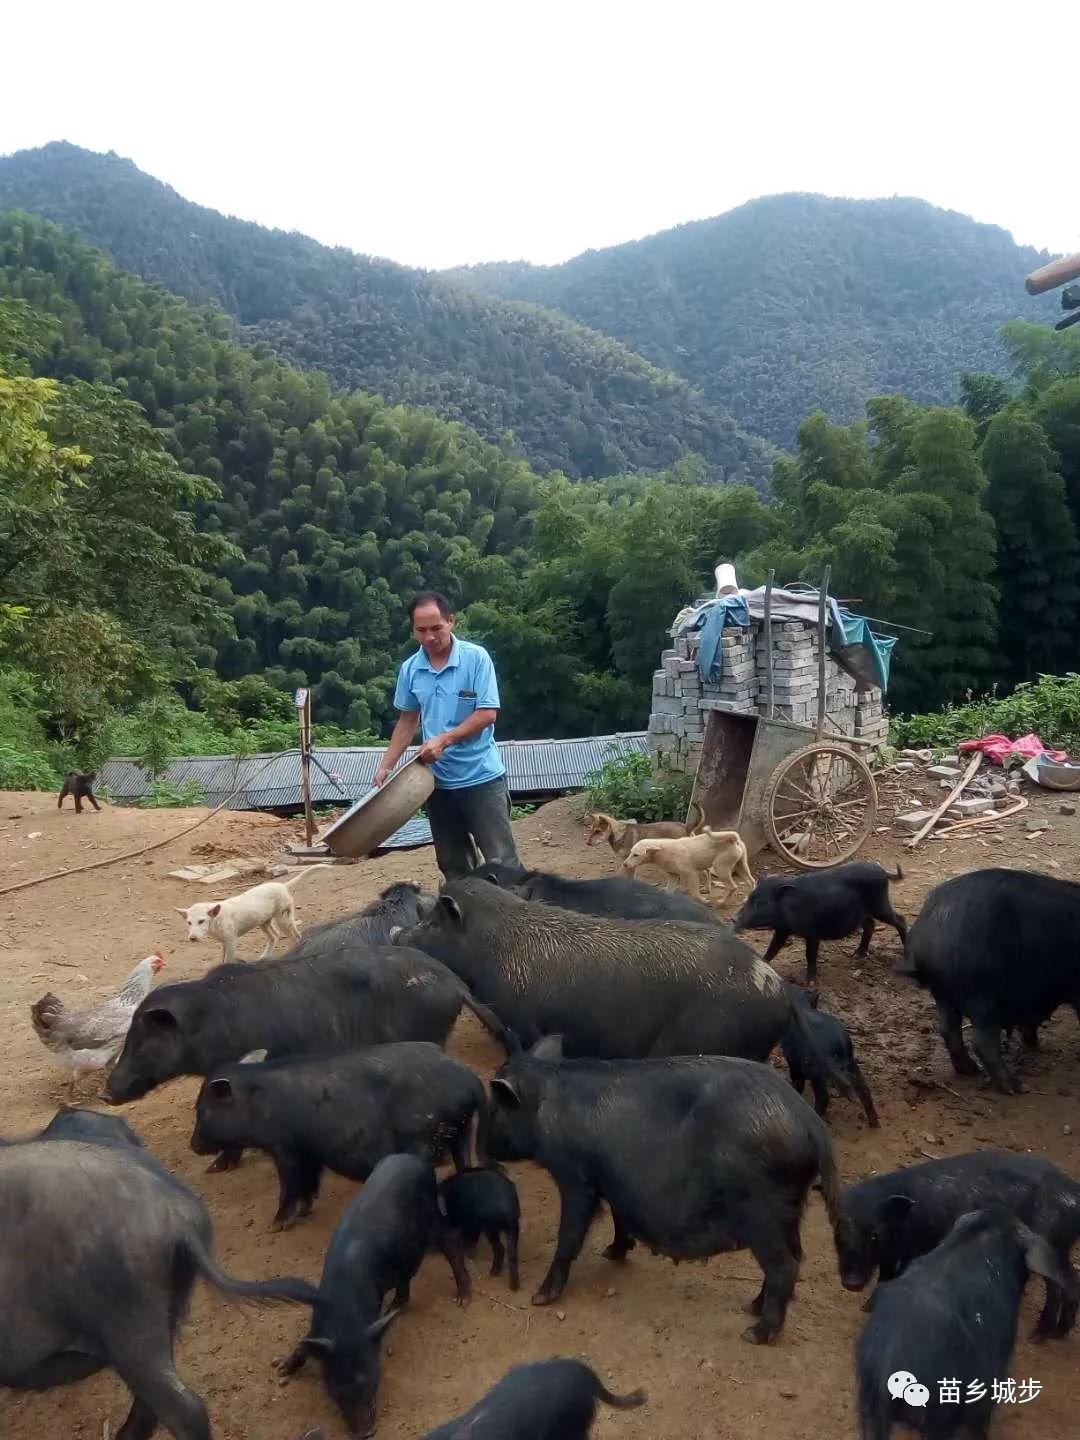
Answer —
(852, 643)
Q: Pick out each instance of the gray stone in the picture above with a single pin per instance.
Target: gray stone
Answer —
(1033, 826)
(949, 760)
(914, 820)
(661, 724)
(945, 772)
(667, 705)
(671, 665)
(975, 805)
(1066, 809)
(904, 765)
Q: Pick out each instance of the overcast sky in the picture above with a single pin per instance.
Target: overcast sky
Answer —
(459, 131)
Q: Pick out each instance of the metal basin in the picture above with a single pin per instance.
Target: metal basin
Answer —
(381, 812)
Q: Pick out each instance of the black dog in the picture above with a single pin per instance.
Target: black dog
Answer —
(81, 787)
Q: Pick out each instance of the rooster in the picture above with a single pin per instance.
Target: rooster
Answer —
(91, 1039)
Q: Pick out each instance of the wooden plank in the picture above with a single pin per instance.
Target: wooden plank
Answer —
(964, 780)
(768, 646)
(823, 596)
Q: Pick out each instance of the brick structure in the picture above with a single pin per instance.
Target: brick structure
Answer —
(682, 701)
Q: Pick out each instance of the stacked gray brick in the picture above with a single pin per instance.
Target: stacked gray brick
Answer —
(682, 701)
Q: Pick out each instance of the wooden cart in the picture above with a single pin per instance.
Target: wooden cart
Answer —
(812, 798)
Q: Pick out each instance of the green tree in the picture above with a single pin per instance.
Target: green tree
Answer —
(1038, 557)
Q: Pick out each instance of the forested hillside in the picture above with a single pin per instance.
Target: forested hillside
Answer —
(570, 398)
(798, 302)
(185, 521)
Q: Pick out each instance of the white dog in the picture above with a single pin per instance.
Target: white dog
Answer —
(707, 856)
(265, 906)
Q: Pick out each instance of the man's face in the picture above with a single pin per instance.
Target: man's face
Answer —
(431, 630)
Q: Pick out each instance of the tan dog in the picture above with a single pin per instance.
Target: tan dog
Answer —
(623, 835)
(707, 856)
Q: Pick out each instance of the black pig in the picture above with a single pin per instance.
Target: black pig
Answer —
(826, 905)
(100, 1248)
(341, 1112)
(694, 1156)
(484, 1201)
(830, 1038)
(400, 904)
(288, 1005)
(889, 1220)
(611, 988)
(79, 1123)
(548, 1400)
(612, 895)
(378, 1245)
(953, 1313)
(997, 946)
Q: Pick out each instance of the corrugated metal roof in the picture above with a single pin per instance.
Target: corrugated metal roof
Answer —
(272, 782)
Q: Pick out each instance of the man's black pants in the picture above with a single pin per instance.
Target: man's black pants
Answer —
(481, 812)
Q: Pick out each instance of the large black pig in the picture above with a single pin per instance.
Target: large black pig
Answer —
(100, 1248)
(693, 1156)
(288, 1005)
(612, 895)
(548, 1400)
(953, 1313)
(611, 988)
(826, 905)
(886, 1221)
(999, 947)
(342, 1112)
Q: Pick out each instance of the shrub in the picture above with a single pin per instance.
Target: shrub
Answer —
(1048, 706)
(166, 795)
(26, 769)
(626, 788)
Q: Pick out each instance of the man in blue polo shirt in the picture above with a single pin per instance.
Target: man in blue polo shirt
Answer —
(449, 688)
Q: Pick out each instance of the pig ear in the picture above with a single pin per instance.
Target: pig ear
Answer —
(215, 909)
(378, 1328)
(319, 1344)
(895, 1208)
(450, 907)
(1041, 1260)
(549, 1047)
(160, 1018)
(221, 1089)
(179, 911)
(253, 1057)
(504, 1092)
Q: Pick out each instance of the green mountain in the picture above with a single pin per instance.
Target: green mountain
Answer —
(798, 302)
(566, 397)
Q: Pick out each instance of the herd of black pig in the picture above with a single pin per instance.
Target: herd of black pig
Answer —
(637, 1026)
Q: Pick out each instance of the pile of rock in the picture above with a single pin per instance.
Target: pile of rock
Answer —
(984, 794)
(681, 701)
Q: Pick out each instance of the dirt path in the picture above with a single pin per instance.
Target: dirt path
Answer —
(673, 1330)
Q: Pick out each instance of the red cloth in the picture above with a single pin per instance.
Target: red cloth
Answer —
(997, 747)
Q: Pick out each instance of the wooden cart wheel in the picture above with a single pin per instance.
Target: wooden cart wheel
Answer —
(821, 806)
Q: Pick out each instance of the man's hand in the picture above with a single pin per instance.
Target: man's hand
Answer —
(433, 749)
(381, 775)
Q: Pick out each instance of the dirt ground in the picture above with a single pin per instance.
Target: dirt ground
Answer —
(674, 1331)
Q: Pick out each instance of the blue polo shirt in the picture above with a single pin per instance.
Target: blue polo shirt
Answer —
(444, 699)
